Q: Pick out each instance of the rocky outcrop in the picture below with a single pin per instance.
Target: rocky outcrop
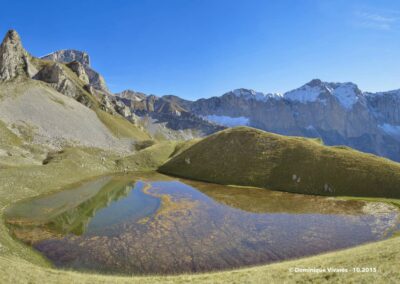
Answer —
(385, 106)
(113, 103)
(55, 75)
(168, 110)
(96, 80)
(69, 55)
(14, 59)
(132, 95)
(79, 70)
(93, 82)
(15, 62)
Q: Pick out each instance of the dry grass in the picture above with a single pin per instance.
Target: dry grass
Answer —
(250, 157)
(20, 264)
(120, 127)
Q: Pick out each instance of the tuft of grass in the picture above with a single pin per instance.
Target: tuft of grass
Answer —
(251, 157)
(26, 131)
(7, 137)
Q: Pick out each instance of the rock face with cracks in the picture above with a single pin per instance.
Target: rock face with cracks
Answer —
(69, 55)
(55, 75)
(14, 60)
(52, 105)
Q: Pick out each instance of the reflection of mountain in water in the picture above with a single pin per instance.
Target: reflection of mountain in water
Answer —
(65, 212)
(75, 220)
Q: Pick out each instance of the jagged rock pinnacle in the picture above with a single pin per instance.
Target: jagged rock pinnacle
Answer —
(14, 60)
(12, 36)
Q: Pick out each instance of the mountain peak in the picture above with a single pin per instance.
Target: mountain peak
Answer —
(12, 36)
(347, 94)
(132, 95)
(251, 94)
(14, 59)
(72, 55)
(315, 82)
(69, 55)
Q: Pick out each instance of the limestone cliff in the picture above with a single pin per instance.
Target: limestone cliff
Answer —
(14, 59)
(70, 55)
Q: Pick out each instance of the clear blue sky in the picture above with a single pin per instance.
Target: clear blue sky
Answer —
(203, 48)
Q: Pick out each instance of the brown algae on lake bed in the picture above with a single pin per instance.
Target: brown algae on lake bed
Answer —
(154, 224)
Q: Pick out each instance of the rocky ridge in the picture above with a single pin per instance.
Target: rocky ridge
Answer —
(50, 104)
(161, 117)
(167, 110)
(69, 56)
(338, 113)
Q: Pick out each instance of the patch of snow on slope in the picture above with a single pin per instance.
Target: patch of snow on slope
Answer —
(346, 95)
(304, 94)
(392, 130)
(228, 120)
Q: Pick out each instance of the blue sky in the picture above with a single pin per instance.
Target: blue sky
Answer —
(203, 48)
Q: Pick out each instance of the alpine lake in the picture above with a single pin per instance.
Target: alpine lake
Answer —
(148, 223)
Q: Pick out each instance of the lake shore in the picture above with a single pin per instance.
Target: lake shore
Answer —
(19, 263)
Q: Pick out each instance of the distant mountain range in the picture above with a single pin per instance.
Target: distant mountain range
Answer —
(338, 113)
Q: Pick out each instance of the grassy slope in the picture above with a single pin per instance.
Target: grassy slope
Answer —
(7, 137)
(153, 157)
(246, 156)
(20, 264)
(13, 152)
(119, 126)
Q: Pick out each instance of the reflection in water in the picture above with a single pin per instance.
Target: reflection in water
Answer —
(156, 224)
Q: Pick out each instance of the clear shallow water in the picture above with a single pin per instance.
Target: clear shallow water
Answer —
(150, 223)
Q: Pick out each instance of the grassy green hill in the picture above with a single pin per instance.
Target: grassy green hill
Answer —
(250, 157)
(20, 264)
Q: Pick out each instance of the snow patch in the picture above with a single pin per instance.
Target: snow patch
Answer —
(304, 94)
(228, 120)
(346, 95)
